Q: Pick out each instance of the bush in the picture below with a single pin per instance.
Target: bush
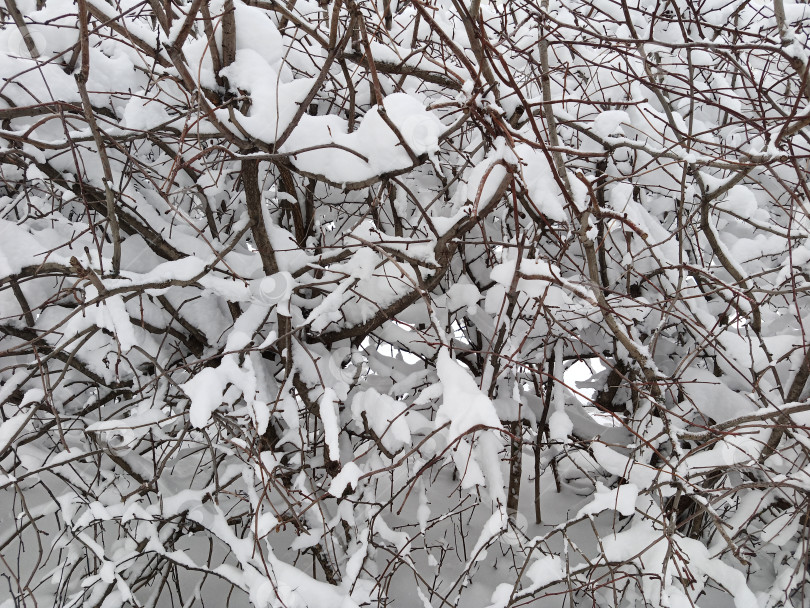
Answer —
(415, 303)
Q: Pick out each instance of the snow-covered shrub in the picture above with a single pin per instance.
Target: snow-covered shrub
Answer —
(415, 303)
